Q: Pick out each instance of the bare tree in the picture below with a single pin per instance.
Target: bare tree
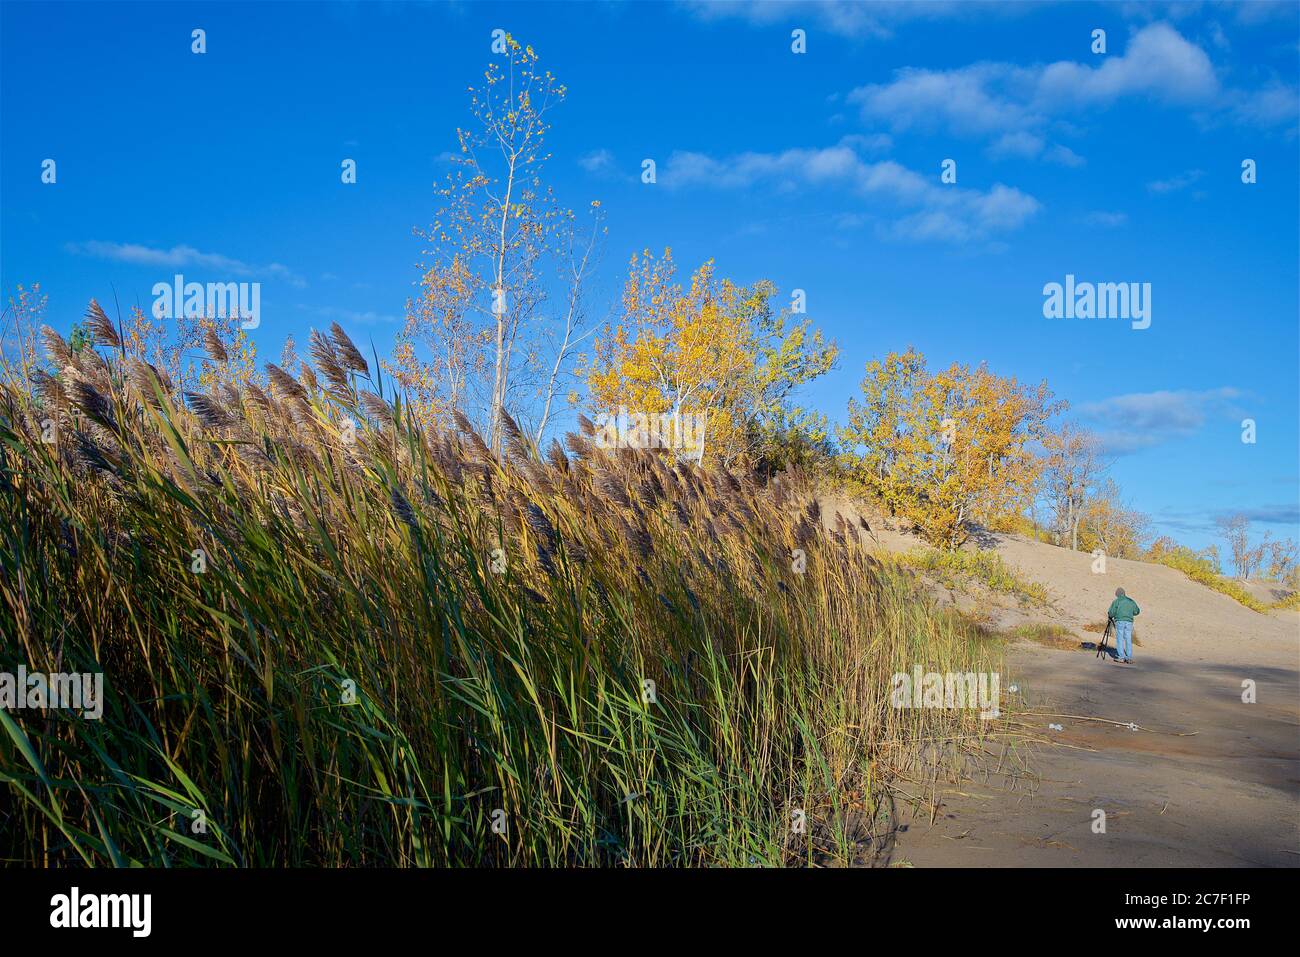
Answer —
(1281, 559)
(1236, 532)
(1074, 467)
(581, 259)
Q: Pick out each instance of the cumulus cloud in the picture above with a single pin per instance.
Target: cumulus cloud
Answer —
(923, 209)
(1015, 105)
(178, 257)
(1025, 145)
(1158, 63)
(975, 99)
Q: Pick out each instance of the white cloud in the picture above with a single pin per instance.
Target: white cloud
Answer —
(1158, 63)
(1000, 100)
(1271, 105)
(1025, 145)
(970, 100)
(1102, 218)
(598, 161)
(851, 18)
(180, 256)
(870, 142)
(1064, 156)
(926, 209)
(1021, 144)
(1141, 420)
(346, 317)
(1175, 183)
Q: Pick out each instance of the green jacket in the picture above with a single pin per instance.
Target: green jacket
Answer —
(1124, 609)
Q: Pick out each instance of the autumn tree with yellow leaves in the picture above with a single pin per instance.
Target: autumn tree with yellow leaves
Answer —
(713, 349)
(945, 450)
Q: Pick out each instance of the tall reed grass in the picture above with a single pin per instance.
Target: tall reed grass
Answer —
(329, 645)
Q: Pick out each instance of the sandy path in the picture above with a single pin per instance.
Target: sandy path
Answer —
(1227, 795)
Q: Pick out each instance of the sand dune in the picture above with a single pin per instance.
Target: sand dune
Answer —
(1209, 780)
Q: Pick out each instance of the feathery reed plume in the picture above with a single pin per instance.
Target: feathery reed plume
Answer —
(214, 347)
(556, 458)
(376, 407)
(537, 475)
(636, 539)
(348, 353)
(92, 402)
(578, 445)
(60, 352)
(326, 358)
(586, 425)
(284, 384)
(101, 327)
(208, 410)
(803, 533)
(143, 377)
(576, 550)
(450, 458)
(536, 519)
(517, 450)
(49, 389)
(91, 455)
(608, 485)
(402, 508)
(683, 519)
(258, 397)
(509, 426)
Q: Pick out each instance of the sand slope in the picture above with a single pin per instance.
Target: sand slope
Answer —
(1209, 781)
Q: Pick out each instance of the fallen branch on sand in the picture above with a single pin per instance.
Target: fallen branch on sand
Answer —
(1121, 724)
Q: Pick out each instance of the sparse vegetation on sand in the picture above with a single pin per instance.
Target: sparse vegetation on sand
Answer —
(1048, 635)
(330, 637)
(987, 567)
(1200, 570)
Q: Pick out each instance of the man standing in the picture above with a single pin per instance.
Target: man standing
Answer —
(1122, 611)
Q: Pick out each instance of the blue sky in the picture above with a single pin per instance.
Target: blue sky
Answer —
(819, 171)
